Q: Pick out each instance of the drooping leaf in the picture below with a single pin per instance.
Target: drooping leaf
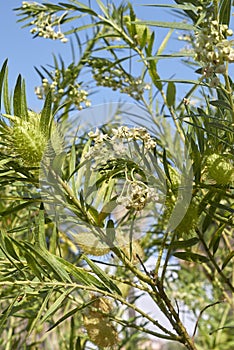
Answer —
(171, 94)
(228, 258)
(193, 257)
(112, 287)
(185, 243)
(172, 25)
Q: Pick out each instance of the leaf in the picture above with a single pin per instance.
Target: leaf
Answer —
(188, 256)
(228, 258)
(221, 104)
(70, 313)
(172, 25)
(10, 248)
(49, 260)
(214, 243)
(41, 311)
(40, 236)
(186, 243)
(103, 276)
(46, 115)
(6, 95)
(82, 8)
(154, 75)
(6, 313)
(17, 97)
(225, 11)
(2, 77)
(57, 304)
(81, 275)
(171, 94)
(103, 8)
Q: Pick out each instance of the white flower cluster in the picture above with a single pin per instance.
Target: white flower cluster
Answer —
(137, 196)
(115, 78)
(124, 132)
(213, 49)
(76, 95)
(108, 151)
(45, 23)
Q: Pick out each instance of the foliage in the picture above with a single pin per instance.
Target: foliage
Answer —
(94, 221)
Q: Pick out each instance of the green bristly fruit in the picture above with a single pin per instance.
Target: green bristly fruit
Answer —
(189, 220)
(28, 143)
(220, 169)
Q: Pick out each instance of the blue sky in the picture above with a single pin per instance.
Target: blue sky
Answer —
(24, 52)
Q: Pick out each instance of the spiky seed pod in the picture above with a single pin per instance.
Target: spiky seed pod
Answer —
(189, 220)
(103, 304)
(91, 245)
(28, 142)
(101, 331)
(220, 169)
(132, 251)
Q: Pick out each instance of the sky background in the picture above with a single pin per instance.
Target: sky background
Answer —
(24, 52)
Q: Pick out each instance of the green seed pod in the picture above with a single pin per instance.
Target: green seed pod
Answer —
(132, 252)
(189, 221)
(28, 143)
(91, 245)
(220, 169)
(101, 331)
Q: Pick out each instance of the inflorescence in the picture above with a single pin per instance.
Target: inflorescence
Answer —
(45, 23)
(107, 151)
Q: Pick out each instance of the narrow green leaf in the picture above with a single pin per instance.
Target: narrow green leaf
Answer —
(81, 275)
(163, 45)
(2, 77)
(64, 317)
(70, 313)
(214, 243)
(103, 8)
(56, 305)
(6, 94)
(17, 97)
(225, 11)
(221, 104)
(228, 258)
(185, 244)
(172, 25)
(103, 276)
(46, 115)
(24, 107)
(6, 313)
(10, 248)
(50, 261)
(41, 311)
(154, 75)
(15, 208)
(171, 94)
(173, 6)
(40, 236)
(82, 8)
(188, 256)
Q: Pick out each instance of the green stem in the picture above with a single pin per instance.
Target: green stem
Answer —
(214, 263)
